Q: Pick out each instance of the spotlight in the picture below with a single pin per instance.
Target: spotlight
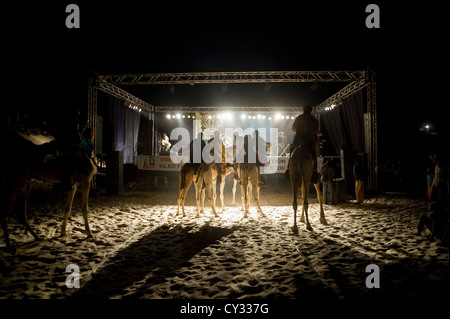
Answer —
(259, 116)
(253, 117)
(249, 117)
(189, 116)
(178, 115)
(277, 116)
(282, 117)
(193, 116)
(263, 117)
(173, 116)
(140, 110)
(243, 116)
(209, 117)
(168, 116)
(184, 116)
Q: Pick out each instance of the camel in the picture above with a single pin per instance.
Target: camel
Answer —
(300, 171)
(203, 179)
(30, 160)
(249, 173)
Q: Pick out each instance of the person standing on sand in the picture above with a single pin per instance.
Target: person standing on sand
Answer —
(360, 176)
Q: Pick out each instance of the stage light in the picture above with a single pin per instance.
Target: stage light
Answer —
(253, 117)
(292, 117)
(227, 116)
(193, 116)
(168, 116)
(259, 116)
(184, 116)
(243, 116)
(282, 117)
(249, 117)
(277, 116)
(188, 116)
(140, 110)
(178, 115)
(270, 117)
(173, 116)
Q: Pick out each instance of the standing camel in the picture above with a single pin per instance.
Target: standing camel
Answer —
(300, 171)
(203, 179)
(249, 173)
(36, 161)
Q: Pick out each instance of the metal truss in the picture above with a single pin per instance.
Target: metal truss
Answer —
(124, 95)
(345, 92)
(232, 77)
(221, 109)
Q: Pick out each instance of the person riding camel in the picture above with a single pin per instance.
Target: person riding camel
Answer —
(307, 132)
(75, 141)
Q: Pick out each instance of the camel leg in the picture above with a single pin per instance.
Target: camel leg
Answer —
(320, 199)
(68, 209)
(198, 192)
(234, 192)
(84, 208)
(305, 188)
(211, 198)
(245, 195)
(23, 215)
(10, 199)
(302, 218)
(222, 187)
(257, 188)
(294, 187)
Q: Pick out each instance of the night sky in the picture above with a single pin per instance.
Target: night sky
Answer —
(47, 64)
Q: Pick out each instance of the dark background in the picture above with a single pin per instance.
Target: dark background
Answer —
(46, 65)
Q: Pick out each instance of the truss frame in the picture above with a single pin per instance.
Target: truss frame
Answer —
(358, 80)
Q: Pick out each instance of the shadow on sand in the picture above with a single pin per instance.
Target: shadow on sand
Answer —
(150, 260)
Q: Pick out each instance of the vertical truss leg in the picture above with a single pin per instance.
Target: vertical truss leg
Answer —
(373, 134)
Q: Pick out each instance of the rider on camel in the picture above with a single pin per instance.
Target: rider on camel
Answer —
(307, 132)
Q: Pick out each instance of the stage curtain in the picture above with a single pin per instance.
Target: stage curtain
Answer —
(334, 127)
(352, 111)
(345, 124)
(126, 130)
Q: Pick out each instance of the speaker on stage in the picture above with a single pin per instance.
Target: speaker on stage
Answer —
(114, 173)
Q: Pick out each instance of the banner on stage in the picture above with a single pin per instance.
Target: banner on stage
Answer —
(164, 163)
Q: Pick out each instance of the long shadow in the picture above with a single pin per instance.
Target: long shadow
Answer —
(150, 260)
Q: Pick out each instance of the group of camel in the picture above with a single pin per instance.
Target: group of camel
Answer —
(28, 160)
(205, 177)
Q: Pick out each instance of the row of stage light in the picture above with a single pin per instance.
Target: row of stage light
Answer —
(229, 116)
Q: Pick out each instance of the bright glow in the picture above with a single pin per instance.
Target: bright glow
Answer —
(178, 115)
(188, 116)
(270, 117)
(249, 117)
(243, 116)
(282, 117)
(292, 117)
(277, 116)
(209, 117)
(193, 116)
(253, 117)
(227, 116)
(173, 116)
(263, 117)
(183, 116)
(168, 116)
(259, 116)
